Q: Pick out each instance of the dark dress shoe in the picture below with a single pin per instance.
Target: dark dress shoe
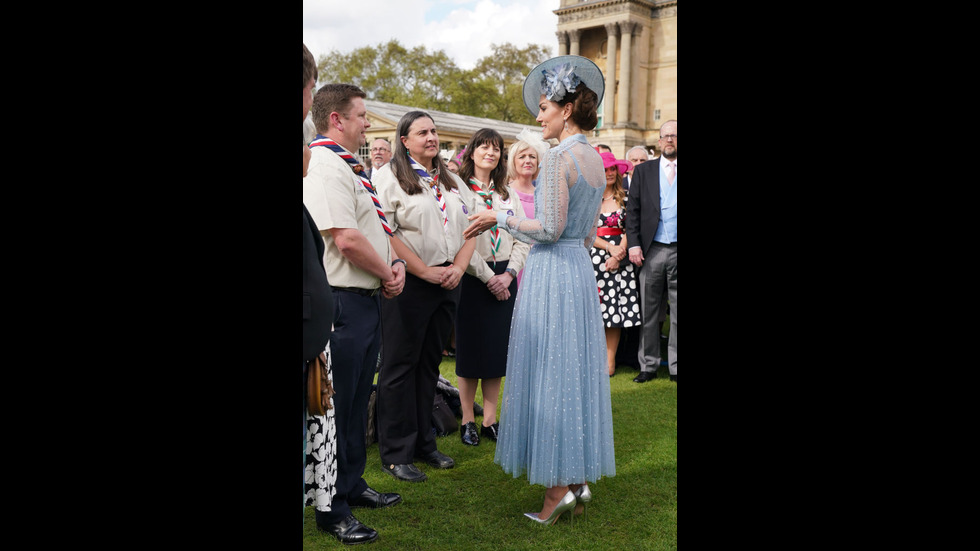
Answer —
(375, 500)
(408, 473)
(673, 378)
(438, 460)
(350, 531)
(468, 435)
(491, 431)
(645, 376)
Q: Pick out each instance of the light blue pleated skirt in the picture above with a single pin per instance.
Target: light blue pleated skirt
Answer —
(556, 416)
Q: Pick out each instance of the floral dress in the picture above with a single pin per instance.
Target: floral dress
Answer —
(619, 297)
(321, 455)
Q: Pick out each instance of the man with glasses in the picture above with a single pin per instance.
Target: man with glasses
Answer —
(651, 231)
(380, 155)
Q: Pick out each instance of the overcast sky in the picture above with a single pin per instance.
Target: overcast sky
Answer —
(464, 29)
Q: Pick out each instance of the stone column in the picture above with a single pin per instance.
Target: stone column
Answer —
(562, 42)
(623, 97)
(609, 101)
(574, 35)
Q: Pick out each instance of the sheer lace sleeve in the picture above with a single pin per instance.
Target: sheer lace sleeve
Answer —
(551, 215)
(590, 239)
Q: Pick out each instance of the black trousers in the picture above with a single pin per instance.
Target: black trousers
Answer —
(354, 347)
(416, 325)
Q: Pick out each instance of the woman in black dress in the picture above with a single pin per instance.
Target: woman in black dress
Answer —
(489, 288)
(619, 299)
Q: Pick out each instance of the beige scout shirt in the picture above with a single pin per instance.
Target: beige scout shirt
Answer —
(510, 249)
(336, 198)
(417, 219)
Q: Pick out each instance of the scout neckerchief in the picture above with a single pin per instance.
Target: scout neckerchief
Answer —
(494, 231)
(358, 169)
(433, 182)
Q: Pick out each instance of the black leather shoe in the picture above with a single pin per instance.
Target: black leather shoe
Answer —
(645, 376)
(673, 378)
(375, 500)
(408, 473)
(491, 431)
(438, 460)
(350, 531)
(468, 435)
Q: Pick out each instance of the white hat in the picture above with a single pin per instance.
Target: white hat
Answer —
(558, 76)
(535, 140)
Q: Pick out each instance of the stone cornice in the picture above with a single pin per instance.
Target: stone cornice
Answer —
(594, 8)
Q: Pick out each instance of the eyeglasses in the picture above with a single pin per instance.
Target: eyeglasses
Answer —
(669, 137)
(378, 149)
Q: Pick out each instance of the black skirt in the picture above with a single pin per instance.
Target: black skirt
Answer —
(483, 328)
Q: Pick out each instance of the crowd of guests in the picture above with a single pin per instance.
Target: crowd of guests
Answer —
(534, 259)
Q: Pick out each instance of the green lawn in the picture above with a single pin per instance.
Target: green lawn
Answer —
(476, 506)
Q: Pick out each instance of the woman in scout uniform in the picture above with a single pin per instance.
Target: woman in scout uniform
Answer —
(489, 288)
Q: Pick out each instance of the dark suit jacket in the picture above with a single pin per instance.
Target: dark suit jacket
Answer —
(643, 207)
(317, 295)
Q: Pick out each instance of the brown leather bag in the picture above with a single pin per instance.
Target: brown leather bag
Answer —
(318, 387)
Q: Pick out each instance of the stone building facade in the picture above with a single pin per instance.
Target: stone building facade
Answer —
(634, 42)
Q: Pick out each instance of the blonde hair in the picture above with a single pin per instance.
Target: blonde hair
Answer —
(518, 147)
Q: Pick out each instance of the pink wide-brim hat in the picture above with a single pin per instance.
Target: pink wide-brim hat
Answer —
(608, 160)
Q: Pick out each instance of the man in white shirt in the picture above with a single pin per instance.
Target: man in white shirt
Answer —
(651, 231)
(380, 155)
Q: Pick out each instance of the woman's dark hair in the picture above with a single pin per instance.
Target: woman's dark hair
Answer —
(406, 176)
(498, 175)
(585, 104)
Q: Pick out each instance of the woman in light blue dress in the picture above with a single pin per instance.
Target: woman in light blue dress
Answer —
(556, 418)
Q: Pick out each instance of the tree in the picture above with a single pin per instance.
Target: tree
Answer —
(391, 73)
(504, 71)
(394, 74)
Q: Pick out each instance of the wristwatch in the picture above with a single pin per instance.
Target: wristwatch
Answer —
(397, 260)
(512, 272)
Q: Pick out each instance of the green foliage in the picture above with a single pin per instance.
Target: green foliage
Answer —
(431, 80)
(476, 506)
(504, 72)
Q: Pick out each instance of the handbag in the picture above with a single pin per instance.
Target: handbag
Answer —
(443, 419)
(318, 387)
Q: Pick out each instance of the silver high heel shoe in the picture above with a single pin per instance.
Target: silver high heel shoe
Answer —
(567, 504)
(583, 496)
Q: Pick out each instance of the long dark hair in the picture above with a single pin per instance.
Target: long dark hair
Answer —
(619, 192)
(499, 173)
(407, 178)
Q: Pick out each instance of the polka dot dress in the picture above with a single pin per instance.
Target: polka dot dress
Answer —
(619, 295)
